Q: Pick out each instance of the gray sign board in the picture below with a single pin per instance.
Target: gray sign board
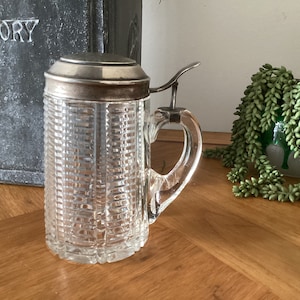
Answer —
(33, 35)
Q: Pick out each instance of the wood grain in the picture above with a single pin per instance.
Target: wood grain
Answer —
(206, 245)
(209, 138)
(17, 200)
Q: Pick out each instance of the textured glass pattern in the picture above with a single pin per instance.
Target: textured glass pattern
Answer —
(95, 179)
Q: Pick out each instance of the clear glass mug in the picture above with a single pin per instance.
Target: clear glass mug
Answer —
(100, 191)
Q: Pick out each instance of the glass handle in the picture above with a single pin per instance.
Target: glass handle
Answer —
(163, 189)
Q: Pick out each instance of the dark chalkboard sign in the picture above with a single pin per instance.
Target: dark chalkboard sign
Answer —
(33, 35)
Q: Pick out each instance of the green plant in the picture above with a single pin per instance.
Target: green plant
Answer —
(273, 91)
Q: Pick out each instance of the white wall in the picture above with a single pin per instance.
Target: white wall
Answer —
(231, 39)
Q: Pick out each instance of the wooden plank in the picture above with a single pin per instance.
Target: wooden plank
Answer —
(168, 267)
(206, 245)
(209, 138)
(16, 200)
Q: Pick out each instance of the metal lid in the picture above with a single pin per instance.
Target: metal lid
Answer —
(96, 76)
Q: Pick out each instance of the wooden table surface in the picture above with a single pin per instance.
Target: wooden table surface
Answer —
(206, 245)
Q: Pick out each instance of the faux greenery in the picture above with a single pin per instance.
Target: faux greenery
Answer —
(273, 91)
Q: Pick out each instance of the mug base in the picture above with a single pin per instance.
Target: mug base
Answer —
(84, 255)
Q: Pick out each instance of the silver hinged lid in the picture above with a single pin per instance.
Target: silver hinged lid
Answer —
(96, 76)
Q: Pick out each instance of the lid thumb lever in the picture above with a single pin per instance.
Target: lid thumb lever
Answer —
(173, 82)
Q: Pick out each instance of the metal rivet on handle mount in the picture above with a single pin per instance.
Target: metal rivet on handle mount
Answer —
(173, 82)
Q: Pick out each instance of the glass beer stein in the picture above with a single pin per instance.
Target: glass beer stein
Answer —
(100, 191)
